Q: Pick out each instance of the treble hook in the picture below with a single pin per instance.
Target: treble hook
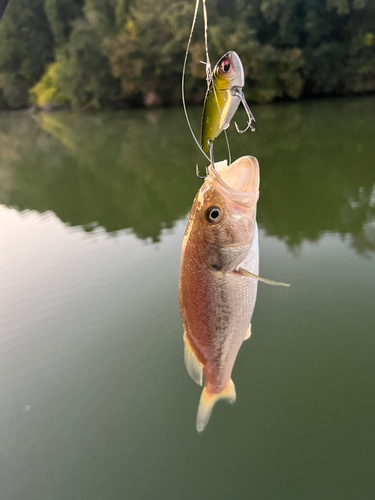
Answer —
(197, 172)
(211, 148)
(250, 115)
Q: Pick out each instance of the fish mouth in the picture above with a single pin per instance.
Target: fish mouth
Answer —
(238, 181)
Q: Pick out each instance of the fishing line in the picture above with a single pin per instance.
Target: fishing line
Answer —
(228, 147)
(208, 75)
(209, 72)
(208, 62)
(183, 79)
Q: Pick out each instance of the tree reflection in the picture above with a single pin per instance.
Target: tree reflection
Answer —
(317, 171)
(119, 170)
(136, 169)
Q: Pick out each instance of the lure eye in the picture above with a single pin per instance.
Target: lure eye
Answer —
(225, 66)
(213, 214)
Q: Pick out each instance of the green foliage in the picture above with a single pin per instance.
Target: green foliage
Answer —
(131, 51)
(149, 46)
(60, 15)
(25, 47)
(360, 69)
(48, 89)
(83, 70)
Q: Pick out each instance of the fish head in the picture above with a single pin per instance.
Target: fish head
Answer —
(228, 73)
(223, 215)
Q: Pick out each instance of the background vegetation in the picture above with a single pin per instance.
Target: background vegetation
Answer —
(100, 53)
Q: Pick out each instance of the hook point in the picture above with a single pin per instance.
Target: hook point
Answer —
(197, 172)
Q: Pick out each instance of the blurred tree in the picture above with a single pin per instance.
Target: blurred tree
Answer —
(81, 74)
(83, 71)
(48, 90)
(26, 46)
(112, 51)
(359, 73)
(3, 4)
(60, 15)
(147, 52)
(272, 68)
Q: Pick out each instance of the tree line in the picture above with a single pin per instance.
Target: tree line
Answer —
(114, 53)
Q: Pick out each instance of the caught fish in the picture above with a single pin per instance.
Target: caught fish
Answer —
(223, 97)
(218, 278)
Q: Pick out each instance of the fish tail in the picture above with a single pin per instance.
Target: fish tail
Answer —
(208, 400)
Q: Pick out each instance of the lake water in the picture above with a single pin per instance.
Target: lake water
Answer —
(95, 401)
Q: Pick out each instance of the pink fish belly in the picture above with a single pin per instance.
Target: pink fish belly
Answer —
(216, 309)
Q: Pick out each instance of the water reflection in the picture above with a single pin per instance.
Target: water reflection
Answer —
(93, 393)
(135, 169)
(120, 171)
(318, 173)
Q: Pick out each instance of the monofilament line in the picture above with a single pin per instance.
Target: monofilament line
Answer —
(183, 79)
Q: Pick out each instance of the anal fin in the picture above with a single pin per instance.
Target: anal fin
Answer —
(248, 332)
(193, 366)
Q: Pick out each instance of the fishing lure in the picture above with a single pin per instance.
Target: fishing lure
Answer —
(223, 96)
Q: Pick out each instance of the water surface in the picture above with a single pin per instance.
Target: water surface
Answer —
(95, 401)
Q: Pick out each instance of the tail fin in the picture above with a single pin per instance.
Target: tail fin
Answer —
(208, 400)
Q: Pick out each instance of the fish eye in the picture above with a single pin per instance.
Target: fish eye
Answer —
(213, 214)
(225, 66)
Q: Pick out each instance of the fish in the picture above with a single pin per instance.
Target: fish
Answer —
(223, 96)
(218, 278)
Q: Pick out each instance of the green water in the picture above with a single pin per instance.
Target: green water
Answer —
(95, 401)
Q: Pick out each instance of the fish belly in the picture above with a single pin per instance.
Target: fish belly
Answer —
(216, 309)
(228, 111)
(212, 116)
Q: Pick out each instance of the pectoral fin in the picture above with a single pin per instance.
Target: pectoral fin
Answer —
(264, 280)
(248, 332)
(193, 366)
